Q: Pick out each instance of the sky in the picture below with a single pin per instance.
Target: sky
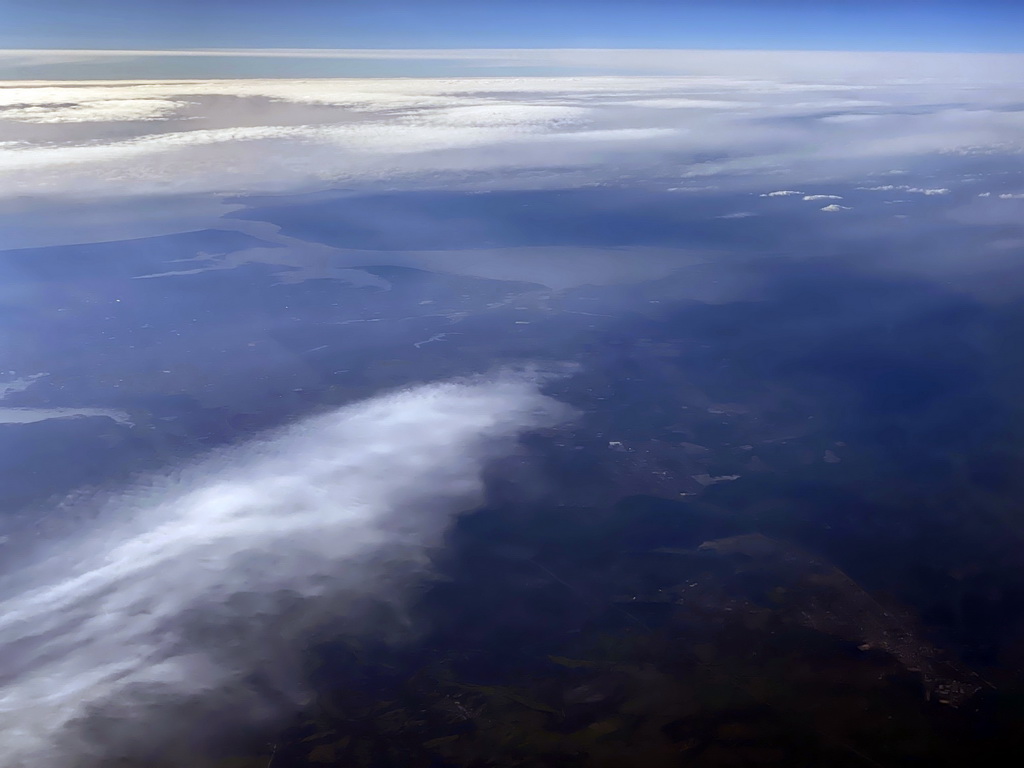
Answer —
(853, 25)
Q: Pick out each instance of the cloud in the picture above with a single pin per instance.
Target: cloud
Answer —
(754, 115)
(684, 103)
(361, 130)
(499, 115)
(835, 208)
(906, 188)
(1012, 196)
(31, 158)
(195, 595)
(99, 111)
(823, 197)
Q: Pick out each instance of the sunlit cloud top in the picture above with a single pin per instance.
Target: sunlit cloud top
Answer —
(758, 114)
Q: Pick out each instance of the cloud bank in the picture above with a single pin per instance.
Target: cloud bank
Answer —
(752, 113)
(196, 596)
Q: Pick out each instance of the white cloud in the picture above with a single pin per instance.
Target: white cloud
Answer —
(907, 188)
(823, 197)
(29, 158)
(745, 117)
(307, 524)
(500, 115)
(684, 103)
(101, 110)
(737, 215)
(1012, 196)
(834, 208)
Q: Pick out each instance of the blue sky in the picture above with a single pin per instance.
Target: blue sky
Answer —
(904, 25)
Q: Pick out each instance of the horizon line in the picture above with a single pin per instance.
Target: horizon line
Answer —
(437, 52)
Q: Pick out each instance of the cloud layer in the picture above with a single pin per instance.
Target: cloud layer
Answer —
(759, 113)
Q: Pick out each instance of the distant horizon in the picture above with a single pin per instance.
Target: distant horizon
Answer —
(21, 64)
(285, 50)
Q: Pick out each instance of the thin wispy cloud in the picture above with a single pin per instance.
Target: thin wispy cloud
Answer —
(905, 188)
(197, 594)
(100, 111)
